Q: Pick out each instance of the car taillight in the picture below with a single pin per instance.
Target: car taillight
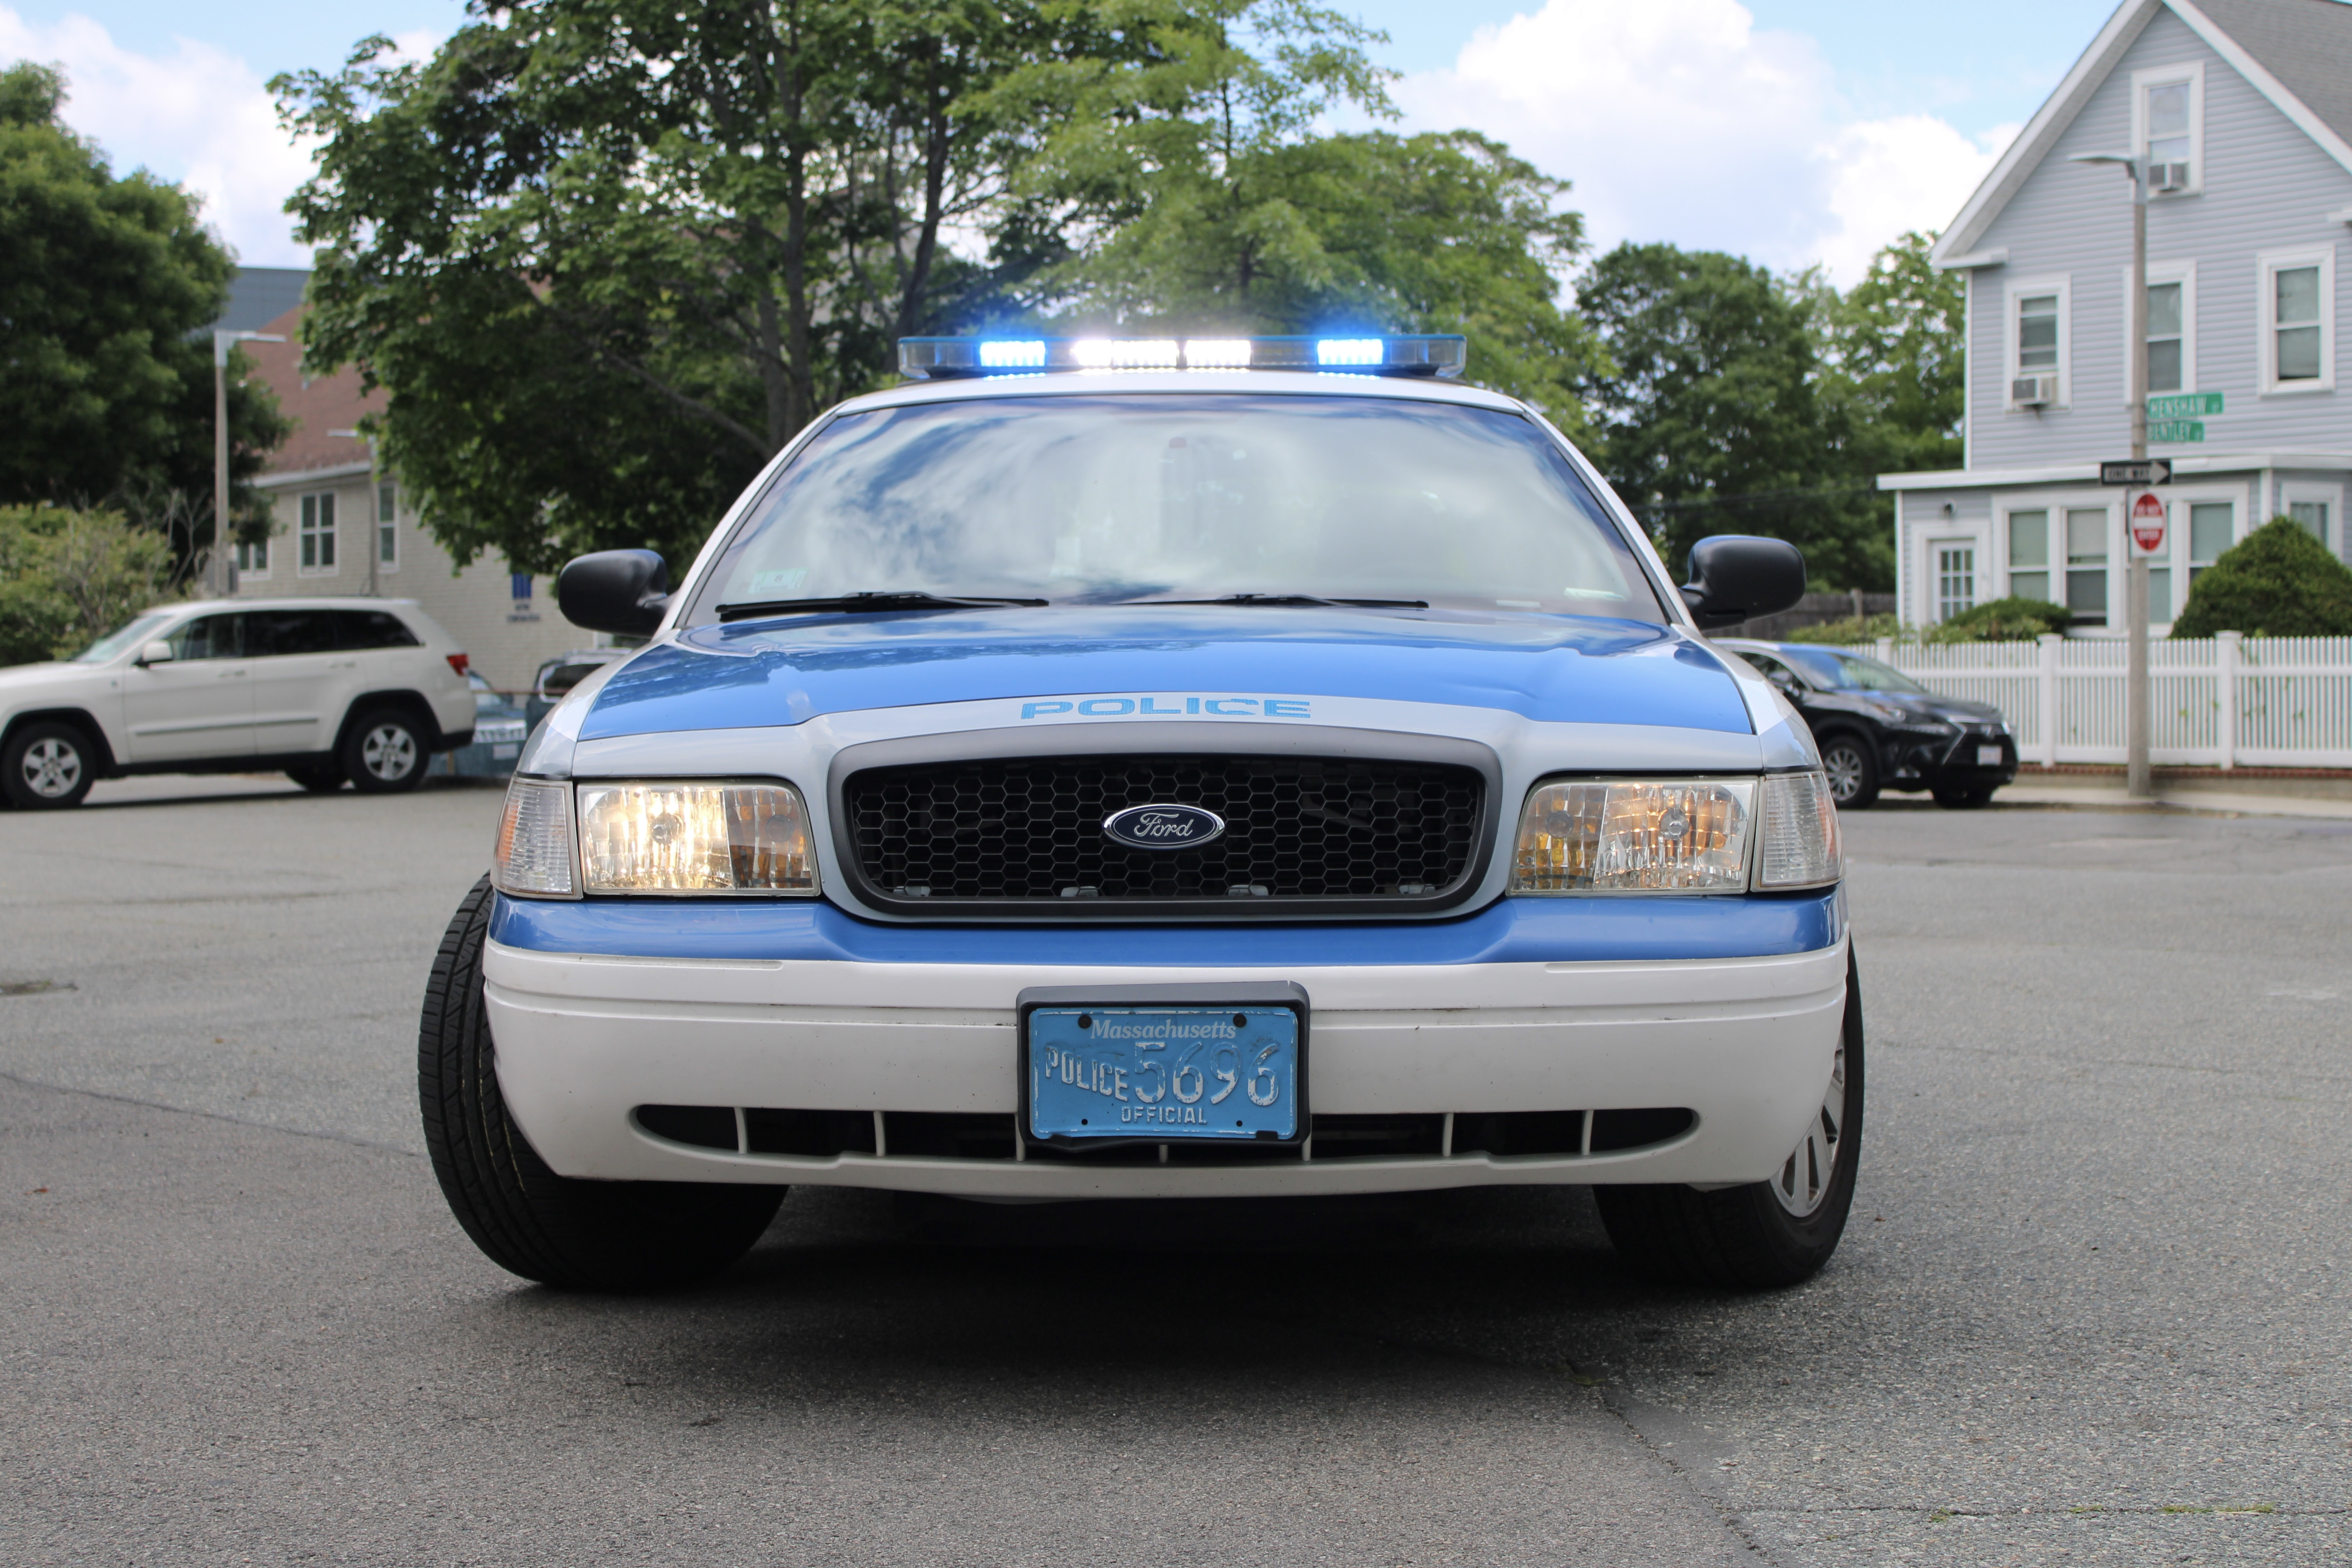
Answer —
(457, 662)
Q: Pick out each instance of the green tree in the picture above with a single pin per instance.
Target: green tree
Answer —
(1201, 195)
(607, 258)
(1895, 366)
(106, 393)
(68, 577)
(2279, 581)
(1707, 414)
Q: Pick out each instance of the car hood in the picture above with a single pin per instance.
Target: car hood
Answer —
(1560, 668)
(52, 670)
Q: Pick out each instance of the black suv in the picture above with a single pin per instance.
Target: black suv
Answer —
(1879, 729)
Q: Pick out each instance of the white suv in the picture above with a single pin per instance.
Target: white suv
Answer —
(326, 689)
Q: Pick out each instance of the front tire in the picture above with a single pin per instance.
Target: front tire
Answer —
(1767, 1235)
(47, 766)
(384, 752)
(593, 1236)
(1852, 764)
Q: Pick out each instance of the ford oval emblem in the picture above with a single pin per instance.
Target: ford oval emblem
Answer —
(1163, 827)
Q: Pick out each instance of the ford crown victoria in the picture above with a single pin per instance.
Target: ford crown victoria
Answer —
(1155, 770)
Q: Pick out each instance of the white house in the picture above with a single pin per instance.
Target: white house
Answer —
(344, 527)
(2245, 110)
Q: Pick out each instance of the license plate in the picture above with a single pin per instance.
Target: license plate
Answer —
(506, 750)
(1163, 1073)
(1988, 756)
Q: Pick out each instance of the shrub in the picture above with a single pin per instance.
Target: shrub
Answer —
(2004, 620)
(2277, 582)
(68, 577)
(1849, 631)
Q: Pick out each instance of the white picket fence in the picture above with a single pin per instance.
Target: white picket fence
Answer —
(2231, 700)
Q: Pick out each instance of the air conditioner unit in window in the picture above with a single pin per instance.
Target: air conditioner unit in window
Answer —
(2168, 176)
(2033, 391)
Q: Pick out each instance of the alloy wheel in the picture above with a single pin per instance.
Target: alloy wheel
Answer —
(52, 767)
(389, 752)
(1843, 765)
(1802, 1184)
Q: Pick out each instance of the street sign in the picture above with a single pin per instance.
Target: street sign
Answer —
(2172, 432)
(2184, 406)
(2138, 472)
(2147, 523)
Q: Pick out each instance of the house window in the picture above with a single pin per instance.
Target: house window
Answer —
(2312, 506)
(2037, 333)
(2087, 563)
(253, 559)
(2212, 527)
(318, 532)
(2168, 127)
(2298, 315)
(387, 517)
(2038, 341)
(2164, 338)
(2029, 554)
(1956, 578)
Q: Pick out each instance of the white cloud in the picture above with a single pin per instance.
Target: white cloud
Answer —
(1679, 121)
(197, 116)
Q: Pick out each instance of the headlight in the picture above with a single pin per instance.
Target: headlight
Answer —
(691, 837)
(632, 837)
(1798, 845)
(1635, 836)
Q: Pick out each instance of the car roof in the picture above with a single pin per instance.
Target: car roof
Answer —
(1260, 382)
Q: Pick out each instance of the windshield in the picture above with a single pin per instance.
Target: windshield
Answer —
(128, 637)
(1110, 498)
(1842, 671)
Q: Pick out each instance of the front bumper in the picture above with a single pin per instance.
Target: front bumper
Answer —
(920, 1020)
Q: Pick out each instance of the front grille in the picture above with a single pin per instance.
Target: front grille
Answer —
(1027, 831)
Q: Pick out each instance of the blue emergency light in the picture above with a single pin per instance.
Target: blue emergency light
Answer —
(942, 359)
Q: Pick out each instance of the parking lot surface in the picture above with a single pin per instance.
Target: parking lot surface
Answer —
(2091, 1309)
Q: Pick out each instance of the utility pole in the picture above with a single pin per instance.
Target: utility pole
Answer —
(220, 574)
(2137, 781)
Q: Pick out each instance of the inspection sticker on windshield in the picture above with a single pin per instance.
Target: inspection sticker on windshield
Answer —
(1163, 1073)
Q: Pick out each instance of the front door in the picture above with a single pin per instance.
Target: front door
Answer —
(299, 678)
(199, 705)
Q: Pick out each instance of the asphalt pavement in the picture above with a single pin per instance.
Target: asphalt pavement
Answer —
(2092, 1308)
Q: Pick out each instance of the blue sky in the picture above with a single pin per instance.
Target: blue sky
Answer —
(1791, 131)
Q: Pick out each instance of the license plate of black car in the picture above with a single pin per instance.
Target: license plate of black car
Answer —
(1163, 1073)
(1988, 756)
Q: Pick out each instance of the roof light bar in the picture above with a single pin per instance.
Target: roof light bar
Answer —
(941, 359)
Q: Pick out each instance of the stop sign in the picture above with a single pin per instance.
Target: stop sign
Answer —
(2148, 522)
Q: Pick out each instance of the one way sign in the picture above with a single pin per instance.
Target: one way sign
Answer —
(2144, 471)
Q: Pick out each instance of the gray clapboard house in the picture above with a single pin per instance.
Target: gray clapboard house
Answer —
(2245, 110)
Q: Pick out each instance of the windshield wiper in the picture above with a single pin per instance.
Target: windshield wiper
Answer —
(1281, 599)
(891, 599)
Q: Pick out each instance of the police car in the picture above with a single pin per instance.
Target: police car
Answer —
(1105, 769)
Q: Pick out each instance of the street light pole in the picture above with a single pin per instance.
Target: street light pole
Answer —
(2137, 781)
(220, 573)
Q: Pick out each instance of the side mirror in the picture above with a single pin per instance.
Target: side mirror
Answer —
(1737, 577)
(155, 653)
(622, 591)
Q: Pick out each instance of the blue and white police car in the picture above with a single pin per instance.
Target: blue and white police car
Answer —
(1107, 769)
